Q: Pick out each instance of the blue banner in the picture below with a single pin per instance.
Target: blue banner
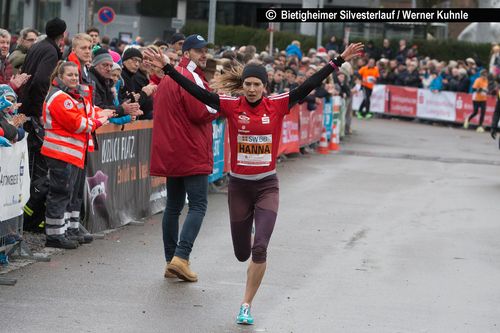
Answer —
(327, 116)
(219, 126)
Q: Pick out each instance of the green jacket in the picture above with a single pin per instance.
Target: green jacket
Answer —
(17, 57)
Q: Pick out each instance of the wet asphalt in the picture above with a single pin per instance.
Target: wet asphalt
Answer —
(398, 232)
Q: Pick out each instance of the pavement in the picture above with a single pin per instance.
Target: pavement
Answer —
(398, 232)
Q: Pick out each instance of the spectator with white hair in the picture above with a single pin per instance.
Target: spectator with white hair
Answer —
(6, 68)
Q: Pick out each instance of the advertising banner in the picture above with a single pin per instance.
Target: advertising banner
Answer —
(290, 133)
(14, 179)
(328, 117)
(119, 188)
(402, 101)
(305, 119)
(218, 131)
(438, 106)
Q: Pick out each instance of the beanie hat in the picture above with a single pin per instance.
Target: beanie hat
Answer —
(6, 90)
(254, 70)
(116, 56)
(130, 53)
(177, 37)
(101, 55)
(116, 66)
(55, 27)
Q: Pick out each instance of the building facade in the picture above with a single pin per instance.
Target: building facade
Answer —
(153, 19)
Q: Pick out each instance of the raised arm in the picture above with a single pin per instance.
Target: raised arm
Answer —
(299, 93)
(204, 96)
(156, 59)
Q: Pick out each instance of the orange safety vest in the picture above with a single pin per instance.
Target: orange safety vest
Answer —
(67, 127)
(91, 109)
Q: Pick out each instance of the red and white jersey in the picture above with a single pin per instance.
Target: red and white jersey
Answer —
(254, 134)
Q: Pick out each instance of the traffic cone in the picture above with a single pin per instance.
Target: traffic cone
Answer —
(323, 143)
(334, 140)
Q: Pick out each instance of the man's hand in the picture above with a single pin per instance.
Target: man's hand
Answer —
(150, 89)
(130, 108)
(352, 51)
(17, 81)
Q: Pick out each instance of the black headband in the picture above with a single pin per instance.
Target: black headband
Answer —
(254, 70)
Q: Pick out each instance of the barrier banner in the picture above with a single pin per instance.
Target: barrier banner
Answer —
(464, 108)
(402, 101)
(14, 179)
(119, 188)
(290, 133)
(357, 98)
(378, 103)
(439, 106)
(378, 100)
(315, 124)
(218, 130)
(227, 152)
(305, 118)
(328, 117)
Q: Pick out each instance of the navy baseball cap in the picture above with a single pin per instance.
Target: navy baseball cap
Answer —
(195, 42)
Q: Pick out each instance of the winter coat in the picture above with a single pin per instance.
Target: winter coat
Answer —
(182, 131)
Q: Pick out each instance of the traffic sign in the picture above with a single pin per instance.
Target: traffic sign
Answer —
(106, 15)
(177, 23)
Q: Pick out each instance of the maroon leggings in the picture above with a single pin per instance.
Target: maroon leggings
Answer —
(249, 200)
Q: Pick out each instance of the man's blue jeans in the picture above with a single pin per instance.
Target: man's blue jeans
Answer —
(196, 188)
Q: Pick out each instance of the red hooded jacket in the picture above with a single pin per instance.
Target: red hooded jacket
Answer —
(182, 130)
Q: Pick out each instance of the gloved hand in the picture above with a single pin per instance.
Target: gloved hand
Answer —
(4, 142)
(493, 133)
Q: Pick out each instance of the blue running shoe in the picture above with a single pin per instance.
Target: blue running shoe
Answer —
(244, 317)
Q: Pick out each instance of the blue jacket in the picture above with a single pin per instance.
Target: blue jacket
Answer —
(293, 50)
(437, 83)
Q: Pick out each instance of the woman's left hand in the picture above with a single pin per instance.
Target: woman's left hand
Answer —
(352, 51)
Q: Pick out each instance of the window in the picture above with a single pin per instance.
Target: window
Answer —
(16, 16)
(46, 10)
(121, 7)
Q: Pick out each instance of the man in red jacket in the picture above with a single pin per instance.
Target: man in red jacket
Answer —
(182, 151)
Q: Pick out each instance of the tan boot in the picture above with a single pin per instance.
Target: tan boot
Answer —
(180, 267)
(167, 274)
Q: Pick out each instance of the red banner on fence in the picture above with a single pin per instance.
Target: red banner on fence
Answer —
(227, 150)
(290, 142)
(402, 101)
(305, 120)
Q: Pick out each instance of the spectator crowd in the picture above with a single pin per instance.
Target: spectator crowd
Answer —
(123, 86)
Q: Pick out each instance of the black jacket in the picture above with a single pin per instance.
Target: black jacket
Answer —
(40, 62)
(103, 96)
(387, 53)
(129, 87)
(412, 80)
(10, 131)
(141, 80)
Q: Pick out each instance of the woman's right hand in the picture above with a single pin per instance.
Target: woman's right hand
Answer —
(156, 59)
(103, 120)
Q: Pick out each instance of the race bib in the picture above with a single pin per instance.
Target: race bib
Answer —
(255, 150)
